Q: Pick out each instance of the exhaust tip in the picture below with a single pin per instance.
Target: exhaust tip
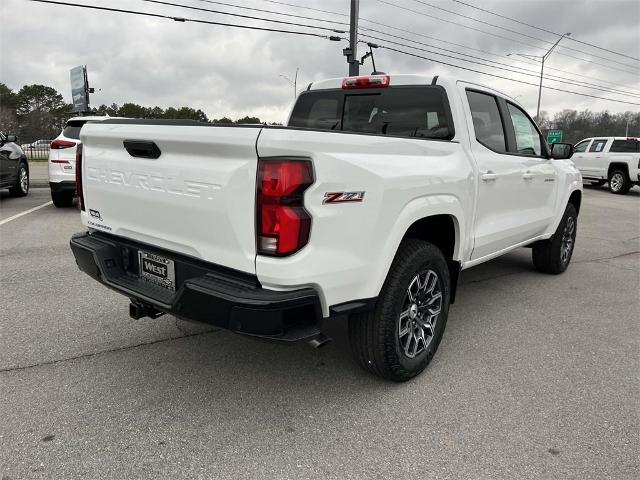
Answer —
(320, 341)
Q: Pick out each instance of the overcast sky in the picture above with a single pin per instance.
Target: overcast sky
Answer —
(233, 72)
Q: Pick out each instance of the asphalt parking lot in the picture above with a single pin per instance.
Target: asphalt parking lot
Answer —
(537, 376)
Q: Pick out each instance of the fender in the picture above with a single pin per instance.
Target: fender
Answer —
(417, 209)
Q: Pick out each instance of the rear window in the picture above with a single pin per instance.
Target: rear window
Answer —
(627, 146)
(72, 129)
(416, 112)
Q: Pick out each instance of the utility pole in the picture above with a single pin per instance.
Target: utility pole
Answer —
(352, 56)
(542, 60)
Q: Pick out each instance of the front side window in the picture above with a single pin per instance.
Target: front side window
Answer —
(626, 146)
(598, 145)
(528, 140)
(486, 121)
(582, 146)
(415, 112)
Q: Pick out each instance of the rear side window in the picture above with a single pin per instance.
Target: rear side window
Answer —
(486, 121)
(598, 145)
(582, 146)
(72, 129)
(627, 146)
(416, 112)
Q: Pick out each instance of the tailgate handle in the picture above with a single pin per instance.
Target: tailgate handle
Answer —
(142, 148)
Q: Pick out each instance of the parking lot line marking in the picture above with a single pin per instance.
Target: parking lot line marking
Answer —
(22, 214)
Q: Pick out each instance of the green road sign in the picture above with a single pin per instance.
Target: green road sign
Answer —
(554, 136)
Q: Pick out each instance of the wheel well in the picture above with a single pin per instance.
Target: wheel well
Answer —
(576, 199)
(618, 166)
(439, 230)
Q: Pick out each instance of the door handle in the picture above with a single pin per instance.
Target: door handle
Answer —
(489, 176)
(527, 175)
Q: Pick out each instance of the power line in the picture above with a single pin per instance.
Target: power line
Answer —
(511, 69)
(501, 36)
(544, 30)
(249, 17)
(193, 20)
(274, 12)
(519, 33)
(503, 77)
(303, 7)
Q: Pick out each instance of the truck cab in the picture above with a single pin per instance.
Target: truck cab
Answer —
(612, 160)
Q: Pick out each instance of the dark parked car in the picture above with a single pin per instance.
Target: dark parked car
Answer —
(14, 168)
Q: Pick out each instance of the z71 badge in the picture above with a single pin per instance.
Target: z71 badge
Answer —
(343, 197)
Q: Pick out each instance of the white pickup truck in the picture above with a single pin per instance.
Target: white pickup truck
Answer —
(369, 202)
(615, 160)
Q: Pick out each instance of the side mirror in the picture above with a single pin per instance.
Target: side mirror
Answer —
(561, 151)
(12, 138)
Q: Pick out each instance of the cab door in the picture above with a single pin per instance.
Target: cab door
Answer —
(499, 219)
(538, 185)
(579, 157)
(596, 158)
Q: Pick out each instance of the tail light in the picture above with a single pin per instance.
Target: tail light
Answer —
(282, 223)
(79, 191)
(60, 144)
(375, 81)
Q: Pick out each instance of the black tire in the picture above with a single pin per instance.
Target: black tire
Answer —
(21, 187)
(551, 256)
(62, 199)
(375, 336)
(598, 183)
(619, 182)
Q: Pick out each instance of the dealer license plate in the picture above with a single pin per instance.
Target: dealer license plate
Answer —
(157, 270)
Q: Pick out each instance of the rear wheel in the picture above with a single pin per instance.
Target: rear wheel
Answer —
(62, 199)
(619, 182)
(553, 255)
(399, 337)
(21, 187)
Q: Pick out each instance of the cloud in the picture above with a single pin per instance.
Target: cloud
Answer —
(233, 72)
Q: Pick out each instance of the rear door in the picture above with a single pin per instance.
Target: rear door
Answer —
(181, 187)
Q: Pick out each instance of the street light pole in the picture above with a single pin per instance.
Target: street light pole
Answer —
(293, 82)
(542, 60)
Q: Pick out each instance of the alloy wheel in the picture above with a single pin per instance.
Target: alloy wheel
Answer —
(568, 235)
(24, 180)
(616, 182)
(421, 308)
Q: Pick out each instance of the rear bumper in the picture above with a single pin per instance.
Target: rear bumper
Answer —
(66, 186)
(204, 292)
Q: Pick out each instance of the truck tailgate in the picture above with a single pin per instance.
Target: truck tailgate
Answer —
(196, 198)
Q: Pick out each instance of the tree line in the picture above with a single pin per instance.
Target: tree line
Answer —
(39, 112)
(584, 124)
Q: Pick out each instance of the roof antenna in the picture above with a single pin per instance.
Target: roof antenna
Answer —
(370, 54)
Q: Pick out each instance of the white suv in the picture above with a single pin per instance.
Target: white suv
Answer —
(62, 161)
(609, 159)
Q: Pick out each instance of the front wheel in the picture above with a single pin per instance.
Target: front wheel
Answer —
(619, 182)
(553, 255)
(399, 337)
(21, 187)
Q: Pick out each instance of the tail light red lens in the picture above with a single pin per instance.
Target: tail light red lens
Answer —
(376, 81)
(282, 223)
(60, 144)
(79, 191)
